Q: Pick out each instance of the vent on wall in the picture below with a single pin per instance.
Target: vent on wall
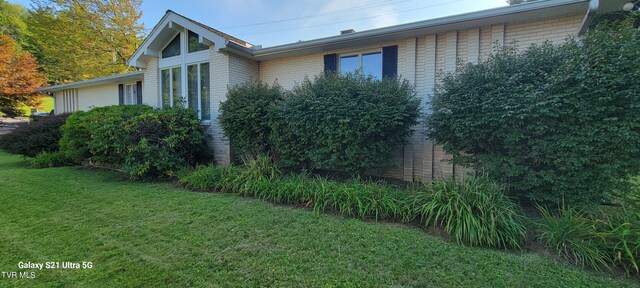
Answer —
(348, 31)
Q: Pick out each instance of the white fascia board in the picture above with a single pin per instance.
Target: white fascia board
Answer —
(128, 77)
(175, 22)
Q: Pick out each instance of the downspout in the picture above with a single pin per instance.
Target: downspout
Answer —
(588, 17)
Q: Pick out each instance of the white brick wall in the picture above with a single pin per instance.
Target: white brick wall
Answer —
(219, 81)
(556, 30)
(226, 70)
(420, 60)
(151, 84)
(289, 71)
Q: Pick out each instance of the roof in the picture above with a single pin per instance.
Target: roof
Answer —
(127, 77)
(218, 32)
(531, 11)
(169, 26)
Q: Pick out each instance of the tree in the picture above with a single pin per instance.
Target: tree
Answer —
(12, 22)
(557, 124)
(19, 77)
(81, 39)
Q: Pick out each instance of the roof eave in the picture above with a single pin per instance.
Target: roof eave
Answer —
(132, 76)
(393, 33)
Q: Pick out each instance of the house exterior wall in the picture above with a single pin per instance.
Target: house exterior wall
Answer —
(227, 70)
(151, 84)
(83, 99)
(422, 61)
(97, 96)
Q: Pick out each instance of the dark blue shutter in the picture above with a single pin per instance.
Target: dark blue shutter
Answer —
(390, 61)
(120, 94)
(139, 92)
(331, 63)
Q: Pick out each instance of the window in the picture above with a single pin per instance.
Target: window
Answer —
(194, 44)
(171, 87)
(130, 94)
(368, 63)
(173, 49)
(198, 89)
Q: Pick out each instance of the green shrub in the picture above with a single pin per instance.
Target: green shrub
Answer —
(144, 142)
(474, 212)
(572, 234)
(348, 123)
(53, 159)
(246, 117)
(160, 142)
(30, 139)
(556, 123)
(110, 141)
(97, 132)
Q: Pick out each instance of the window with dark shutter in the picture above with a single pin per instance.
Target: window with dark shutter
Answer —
(331, 63)
(120, 94)
(139, 92)
(390, 61)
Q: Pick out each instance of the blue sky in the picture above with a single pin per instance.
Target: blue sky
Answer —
(276, 22)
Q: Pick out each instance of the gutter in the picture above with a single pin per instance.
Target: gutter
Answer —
(89, 82)
(588, 17)
(318, 44)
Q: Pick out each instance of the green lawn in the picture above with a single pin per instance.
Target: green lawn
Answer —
(140, 234)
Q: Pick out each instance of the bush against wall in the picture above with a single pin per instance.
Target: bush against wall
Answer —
(556, 123)
(30, 139)
(98, 132)
(144, 142)
(349, 123)
(247, 115)
(161, 142)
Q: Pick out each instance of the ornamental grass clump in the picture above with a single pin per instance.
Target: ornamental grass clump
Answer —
(475, 212)
(572, 235)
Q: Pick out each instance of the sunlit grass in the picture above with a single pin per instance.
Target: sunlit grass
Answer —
(142, 234)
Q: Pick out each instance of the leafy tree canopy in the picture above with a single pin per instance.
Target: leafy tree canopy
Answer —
(19, 77)
(80, 39)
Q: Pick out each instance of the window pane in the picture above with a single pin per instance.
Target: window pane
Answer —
(194, 45)
(129, 95)
(176, 81)
(205, 107)
(166, 80)
(173, 49)
(349, 64)
(134, 96)
(372, 65)
(192, 87)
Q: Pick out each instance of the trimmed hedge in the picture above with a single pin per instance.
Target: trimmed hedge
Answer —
(98, 132)
(347, 123)
(142, 141)
(557, 124)
(30, 139)
(247, 115)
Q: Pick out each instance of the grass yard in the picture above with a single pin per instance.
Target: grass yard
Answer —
(141, 234)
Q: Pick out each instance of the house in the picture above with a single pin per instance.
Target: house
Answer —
(184, 60)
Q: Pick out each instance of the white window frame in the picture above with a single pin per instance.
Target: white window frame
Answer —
(184, 60)
(359, 54)
(170, 84)
(199, 88)
(134, 96)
